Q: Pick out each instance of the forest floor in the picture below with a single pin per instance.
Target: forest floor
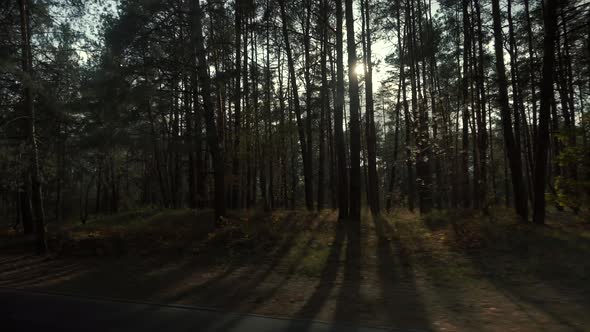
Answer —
(447, 271)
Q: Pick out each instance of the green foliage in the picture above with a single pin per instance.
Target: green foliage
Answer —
(572, 189)
(570, 193)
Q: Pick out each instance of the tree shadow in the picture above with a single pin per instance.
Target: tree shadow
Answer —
(514, 257)
(397, 278)
(48, 275)
(255, 269)
(229, 323)
(519, 293)
(21, 262)
(241, 282)
(349, 299)
(246, 287)
(326, 283)
(14, 259)
(29, 271)
(147, 279)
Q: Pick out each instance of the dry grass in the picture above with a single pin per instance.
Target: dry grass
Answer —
(449, 270)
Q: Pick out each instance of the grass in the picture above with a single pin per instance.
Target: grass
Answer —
(239, 238)
(144, 231)
(454, 246)
(446, 265)
(441, 239)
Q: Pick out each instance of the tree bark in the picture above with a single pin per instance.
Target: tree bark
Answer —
(531, 65)
(411, 179)
(28, 104)
(308, 100)
(355, 127)
(373, 183)
(236, 180)
(25, 208)
(465, 192)
(209, 112)
(401, 88)
(343, 189)
(325, 105)
(513, 155)
(307, 171)
(482, 129)
(550, 27)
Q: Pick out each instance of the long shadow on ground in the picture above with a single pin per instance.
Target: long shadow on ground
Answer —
(247, 280)
(267, 294)
(397, 279)
(505, 261)
(349, 299)
(240, 287)
(327, 279)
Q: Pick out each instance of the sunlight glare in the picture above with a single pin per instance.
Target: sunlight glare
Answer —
(359, 69)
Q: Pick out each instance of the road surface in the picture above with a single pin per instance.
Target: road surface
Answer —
(35, 311)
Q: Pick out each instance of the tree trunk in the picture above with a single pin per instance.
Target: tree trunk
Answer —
(410, 178)
(28, 103)
(25, 208)
(531, 65)
(325, 105)
(466, 194)
(211, 127)
(423, 158)
(355, 127)
(343, 189)
(482, 128)
(373, 183)
(520, 121)
(236, 179)
(550, 27)
(401, 88)
(308, 98)
(189, 142)
(307, 171)
(514, 158)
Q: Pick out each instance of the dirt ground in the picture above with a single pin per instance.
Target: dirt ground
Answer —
(395, 275)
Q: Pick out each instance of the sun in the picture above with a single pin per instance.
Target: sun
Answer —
(359, 69)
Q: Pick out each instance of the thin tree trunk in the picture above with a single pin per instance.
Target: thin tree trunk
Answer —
(343, 189)
(520, 121)
(401, 87)
(189, 141)
(532, 60)
(25, 208)
(514, 158)
(212, 136)
(465, 192)
(307, 171)
(550, 27)
(28, 103)
(308, 99)
(482, 128)
(355, 127)
(373, 183)
(411, 179)
(325, 105)
(423, 171)
(236, 179)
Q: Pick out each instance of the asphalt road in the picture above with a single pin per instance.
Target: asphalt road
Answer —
(34, 311)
